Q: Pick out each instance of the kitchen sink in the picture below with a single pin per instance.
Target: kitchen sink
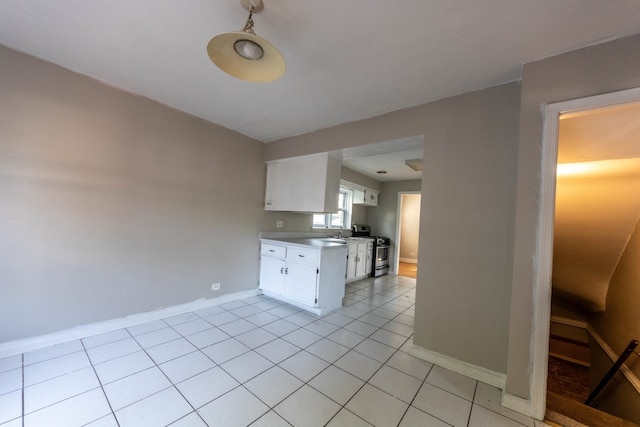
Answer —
(335, 240)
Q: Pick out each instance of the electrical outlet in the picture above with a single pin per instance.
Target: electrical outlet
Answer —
(215, 287)
(279, 224)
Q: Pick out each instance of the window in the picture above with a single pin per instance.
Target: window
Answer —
(340, 219)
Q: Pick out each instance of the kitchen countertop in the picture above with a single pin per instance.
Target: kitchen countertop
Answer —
(316, 242)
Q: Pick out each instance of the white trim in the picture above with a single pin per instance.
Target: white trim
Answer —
(479, 373)
(409, 260)
(628, 373)
(544, 250)
(515, 403)
(12, 348)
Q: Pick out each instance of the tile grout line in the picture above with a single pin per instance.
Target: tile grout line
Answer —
(101, 386)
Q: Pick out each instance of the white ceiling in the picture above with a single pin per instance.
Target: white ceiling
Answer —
(346, 60)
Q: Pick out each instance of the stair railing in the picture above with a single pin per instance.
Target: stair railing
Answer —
(616, 366)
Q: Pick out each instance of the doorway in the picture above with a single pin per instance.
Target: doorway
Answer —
(408, 232)
(543, 283)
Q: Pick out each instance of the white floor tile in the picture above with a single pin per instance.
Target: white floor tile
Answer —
(396, 383)
(346, 338)
(307, 407)
(327, 350)
(190, 420)
(186, 366)
(205, 312)
(10, 380)
(359, 365)
(135, 387)
(490, 398)
(108, 421)
(181, 318)
(411, 365)
(262, 318)
(158, 409)
(452, 382)
(11, 406)
(283, 310)
(246, 311)
(338, 319)
(375, 350)
(232, 305)
(171, 350)
(481, 417)
(121, 367)
(301, 318)
(247, 366)
(58, 389)
(377, 407)
(106, 338)
(112, 350)
(415, 417)
(389, 338)
(280, 327)
(207, 386)
(225, 350)
(277, 350)
(255, 338)
(270, 419)
(144, 328)
(52, 368)
(361, 328)
(443, 405)
(207, 338)
(336, 384)
(52, 352)
(236, 408)
(399, 328)
(192, 326)
(76, 411)
(322, 328)
(302, 338)
(304, 365)
(237, 327)
(268, 304)
(221, 318)
(10, 363)
(273, 385)
(345, 418)
(157, 337)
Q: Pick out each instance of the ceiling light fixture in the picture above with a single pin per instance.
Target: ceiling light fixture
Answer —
(415, 164)
(245, 55)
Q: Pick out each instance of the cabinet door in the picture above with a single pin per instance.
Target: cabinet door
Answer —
(272, 275)
(271, 190)
(361, 264)
(301, 282)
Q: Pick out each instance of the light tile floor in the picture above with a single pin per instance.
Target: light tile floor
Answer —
(255, 362)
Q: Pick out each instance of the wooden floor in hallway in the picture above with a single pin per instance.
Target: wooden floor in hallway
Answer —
(407, 269)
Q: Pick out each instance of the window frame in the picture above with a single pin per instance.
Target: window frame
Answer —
(346, 210)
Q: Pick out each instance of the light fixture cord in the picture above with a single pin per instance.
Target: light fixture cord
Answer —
(249, 24)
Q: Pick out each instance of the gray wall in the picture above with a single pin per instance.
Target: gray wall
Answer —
(468, 192)
(617, 325)
(112, 204)
(586, 72)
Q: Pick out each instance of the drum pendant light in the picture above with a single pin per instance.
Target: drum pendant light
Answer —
(245, 55)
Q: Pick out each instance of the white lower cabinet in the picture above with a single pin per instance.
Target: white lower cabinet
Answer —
(310, 278)
(359, 260)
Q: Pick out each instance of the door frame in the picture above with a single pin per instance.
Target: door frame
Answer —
(544, 249)
(396, 252)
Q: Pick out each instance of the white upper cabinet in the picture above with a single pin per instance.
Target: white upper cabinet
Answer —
(365, 196)
(303, 184)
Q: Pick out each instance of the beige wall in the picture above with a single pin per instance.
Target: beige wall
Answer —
(468, 192)
(617, 325)
(591, 71)
(112, 204)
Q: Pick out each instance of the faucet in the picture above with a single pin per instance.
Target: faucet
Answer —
(338, 235)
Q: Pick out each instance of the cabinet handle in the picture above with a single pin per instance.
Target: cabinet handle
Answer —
(282, 270)
(301, 256)
(272, 250)
(286, 270)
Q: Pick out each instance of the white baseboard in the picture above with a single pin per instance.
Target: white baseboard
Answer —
(479, 373)
(409, 260)
(12, 348)
(518, 404)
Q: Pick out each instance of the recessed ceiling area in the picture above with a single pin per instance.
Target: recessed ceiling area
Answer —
(346, 60)
(597, 203)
